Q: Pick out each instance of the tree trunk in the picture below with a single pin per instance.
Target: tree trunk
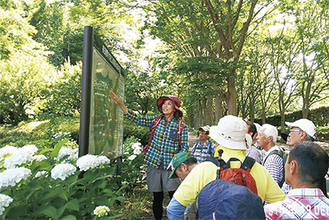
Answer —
(283, 118)
(252, 109)
(209, 112)
(218, 109)
(230, 97)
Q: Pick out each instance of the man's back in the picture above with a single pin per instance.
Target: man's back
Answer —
(267, 188)
(301, 203)
(205, 172)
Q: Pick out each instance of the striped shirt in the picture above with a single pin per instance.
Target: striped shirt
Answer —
(254, 153)
(202, 151)
(274, 164)
(165, 141)
(301, 203)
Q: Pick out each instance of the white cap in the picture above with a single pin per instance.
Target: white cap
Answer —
(258, 126)
(305, 125)
(205, 128)
(230, 133)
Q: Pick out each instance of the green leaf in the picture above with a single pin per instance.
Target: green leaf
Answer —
(60, 211)
(49, 211)
(57, 147)
(69, 217)
(121, 199)
(40, 165)
(108, 192)
(53, 193)
(101, 201)
(73, 205)
(76, 183)
(104, 177)
(45, 150)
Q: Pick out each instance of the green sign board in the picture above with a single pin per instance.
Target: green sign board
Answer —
(101, 121)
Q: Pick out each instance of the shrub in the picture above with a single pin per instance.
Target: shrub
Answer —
(140, 132)
(53, 183)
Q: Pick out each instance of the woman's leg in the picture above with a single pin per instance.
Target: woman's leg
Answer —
(157, 204)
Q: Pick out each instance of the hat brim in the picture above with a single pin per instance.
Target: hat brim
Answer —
(290, 124)
(163, 98)
(173, 174)
(236, 145)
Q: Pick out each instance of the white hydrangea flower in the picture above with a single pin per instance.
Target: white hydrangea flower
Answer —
(132, 157)
(89, 161)
(103, 159)
(17, 158)
(101, 210)
(138, 151)
(7, 150)
(73, 153)
(62, 171)
(4, 202)
(30, 149)
(126, 153)
(39, 157)
(136, 145)
(10, 177)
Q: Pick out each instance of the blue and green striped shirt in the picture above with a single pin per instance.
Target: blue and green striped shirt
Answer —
(165, 141)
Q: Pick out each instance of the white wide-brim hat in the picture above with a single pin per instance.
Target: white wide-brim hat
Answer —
(231, 132)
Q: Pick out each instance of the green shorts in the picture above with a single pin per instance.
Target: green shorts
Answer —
(158, 181)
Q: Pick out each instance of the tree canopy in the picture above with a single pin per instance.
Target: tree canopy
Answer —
(249, 58)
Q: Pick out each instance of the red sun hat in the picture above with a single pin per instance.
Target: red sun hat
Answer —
(174, 99)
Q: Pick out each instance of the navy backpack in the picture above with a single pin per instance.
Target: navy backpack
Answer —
(222, 199)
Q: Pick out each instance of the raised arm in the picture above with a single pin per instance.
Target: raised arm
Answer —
(118, 101)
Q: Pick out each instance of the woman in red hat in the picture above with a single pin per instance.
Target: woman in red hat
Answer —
(168, 136)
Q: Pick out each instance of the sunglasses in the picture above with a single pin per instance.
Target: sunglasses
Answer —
(204, 132)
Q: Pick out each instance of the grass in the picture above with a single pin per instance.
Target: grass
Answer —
(138, 205)
(40, 133)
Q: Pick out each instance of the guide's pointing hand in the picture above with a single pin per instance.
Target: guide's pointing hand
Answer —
(115, 98)
(118, 101)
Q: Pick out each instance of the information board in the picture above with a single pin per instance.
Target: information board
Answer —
(101, 120)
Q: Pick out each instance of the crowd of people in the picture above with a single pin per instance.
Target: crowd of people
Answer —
(277, 183)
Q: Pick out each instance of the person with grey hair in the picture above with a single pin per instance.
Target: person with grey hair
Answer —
(273, 162)
(306, 168)
(300, 130)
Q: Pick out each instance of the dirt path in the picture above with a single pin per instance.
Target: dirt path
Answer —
(192, 139)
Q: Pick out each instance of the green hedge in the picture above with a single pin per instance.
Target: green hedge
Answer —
(131, 129)
(318, 116)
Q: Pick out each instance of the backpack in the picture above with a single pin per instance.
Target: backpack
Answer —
(240, 176)
(155, 124)
(221, 199)
(284, 155)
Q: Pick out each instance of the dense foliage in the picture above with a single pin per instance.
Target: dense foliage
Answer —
(255, 59)
(55, 183)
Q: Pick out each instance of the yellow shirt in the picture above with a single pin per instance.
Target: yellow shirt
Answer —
(200, 175)
(267, 189)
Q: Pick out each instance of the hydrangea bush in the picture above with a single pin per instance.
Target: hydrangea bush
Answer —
(56, 184)
(132, 170)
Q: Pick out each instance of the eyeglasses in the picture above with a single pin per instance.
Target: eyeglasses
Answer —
(204, 132)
